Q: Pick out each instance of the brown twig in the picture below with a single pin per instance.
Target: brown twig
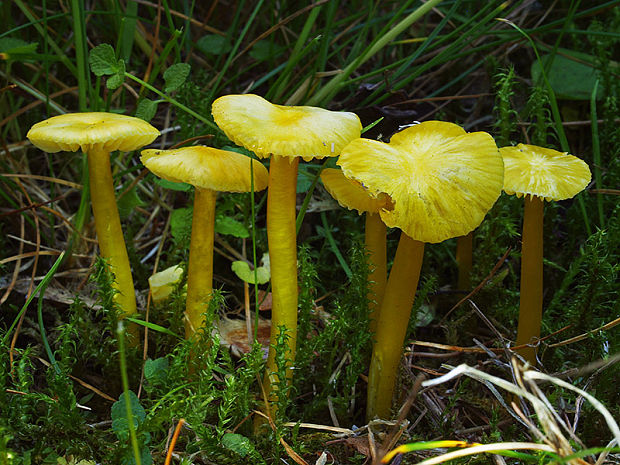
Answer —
(175, 436)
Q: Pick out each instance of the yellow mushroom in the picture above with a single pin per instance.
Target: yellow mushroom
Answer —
(442, 181)
(210, 171)
(354, 196)
(537, 174)
(284, 133)
(97, 134)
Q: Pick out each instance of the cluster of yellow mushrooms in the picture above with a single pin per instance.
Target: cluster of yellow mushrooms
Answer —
(433, 180)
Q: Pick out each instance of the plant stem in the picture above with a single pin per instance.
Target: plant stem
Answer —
(254, 260)
(304, 205)
(334, 84)
(120, 334)
(464, 258)
(200, 268)
(109, 231)
(281, 236)
(596, 155)
(392, 325)
(77, 13)
(334, 246)
(531, 293)
(174, 102)
(42, 286)
(375, 242)
(46, 345)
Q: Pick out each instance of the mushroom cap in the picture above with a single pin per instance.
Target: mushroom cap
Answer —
(105, 131)
(351, 194)
(291, 131)
(546, 173)
(441, 179)
(163, 282)
(206, 168)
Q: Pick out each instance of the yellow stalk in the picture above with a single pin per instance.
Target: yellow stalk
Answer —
(281, 235)
(464, 254)
(530, 303)
(377, 257)
(392, 325)
(109, 232)
(200, 267)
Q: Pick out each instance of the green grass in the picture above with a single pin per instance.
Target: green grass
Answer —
(63, 387)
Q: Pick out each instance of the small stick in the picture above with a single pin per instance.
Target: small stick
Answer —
(175, 436)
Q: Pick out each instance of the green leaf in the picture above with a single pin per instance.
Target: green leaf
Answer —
(156, 371)
(128, 203)
(304, 181)
(264, 50)
(146, 109)
(175, 76)
(241, 150)
(231, 227)
(145, 456)
(238, 444)
(425, 315)
(17, 49)
(570, 79)
(175, 186)
(181, 223)
(213, 44)
(243, 271)
(115, 81)
(11, 45)
(119, 414)
(103, 60)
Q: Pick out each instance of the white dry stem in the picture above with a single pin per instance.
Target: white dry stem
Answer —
(611, 423)
(565, 445)
(548, 418)
(605, 453)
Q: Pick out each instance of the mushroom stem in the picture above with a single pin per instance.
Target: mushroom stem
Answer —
(109, 232)
(392, 325)
(376, 249)
(464, 253)
(281, 236)
(200, 267)
(531, 292)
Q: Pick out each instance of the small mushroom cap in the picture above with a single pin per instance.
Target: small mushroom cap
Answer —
(351, 194)
(441, 179)
(293, 131)
(206, 168)
(546, 173)
(163, 282)
(105, 131)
